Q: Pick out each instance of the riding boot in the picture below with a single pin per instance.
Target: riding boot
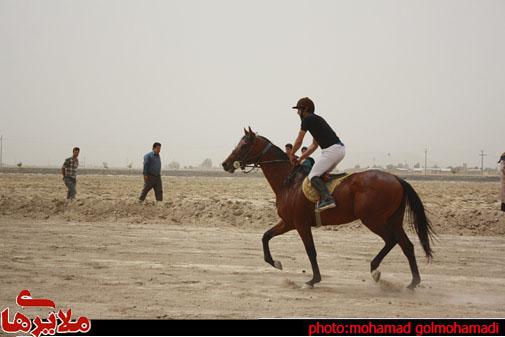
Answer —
(503, 206)
(325, 200)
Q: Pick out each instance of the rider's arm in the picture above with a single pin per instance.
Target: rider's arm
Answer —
(310, 150)
(298, 142)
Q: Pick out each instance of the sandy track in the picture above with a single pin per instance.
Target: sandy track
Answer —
(118, 270)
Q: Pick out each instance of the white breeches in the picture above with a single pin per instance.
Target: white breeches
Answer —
(329, 159)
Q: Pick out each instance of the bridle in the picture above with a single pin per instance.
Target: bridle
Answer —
(257, 161)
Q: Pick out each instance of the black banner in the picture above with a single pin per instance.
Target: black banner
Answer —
(301, 327)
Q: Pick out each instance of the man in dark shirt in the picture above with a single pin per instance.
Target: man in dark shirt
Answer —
(69, 172)
(152, 174)
(332, 149)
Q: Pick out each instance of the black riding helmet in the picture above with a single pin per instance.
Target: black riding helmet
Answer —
(305, 104)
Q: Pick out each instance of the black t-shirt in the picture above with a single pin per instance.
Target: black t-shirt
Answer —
(320, 130)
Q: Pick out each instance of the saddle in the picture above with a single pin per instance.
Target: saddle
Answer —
(331, 180)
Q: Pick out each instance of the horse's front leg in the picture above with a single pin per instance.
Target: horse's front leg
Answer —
(306, 236)
(278, 229)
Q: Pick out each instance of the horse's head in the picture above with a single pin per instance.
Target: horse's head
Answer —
(248, 151)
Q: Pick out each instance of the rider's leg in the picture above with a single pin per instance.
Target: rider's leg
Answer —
(325, 200)
(329, 159)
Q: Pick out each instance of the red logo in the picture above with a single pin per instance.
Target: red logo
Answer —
(60, 322)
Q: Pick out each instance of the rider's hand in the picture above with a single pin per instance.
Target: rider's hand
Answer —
(146, 179)
(294, 160)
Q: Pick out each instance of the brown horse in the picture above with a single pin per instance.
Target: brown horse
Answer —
(376, 198)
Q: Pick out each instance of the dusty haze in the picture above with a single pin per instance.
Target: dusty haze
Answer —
(113, 77)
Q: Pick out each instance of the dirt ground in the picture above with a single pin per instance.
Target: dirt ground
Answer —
(198, 254)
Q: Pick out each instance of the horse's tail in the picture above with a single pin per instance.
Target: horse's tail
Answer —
(417, 217)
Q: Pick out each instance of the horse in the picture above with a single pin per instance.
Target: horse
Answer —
(379, 199)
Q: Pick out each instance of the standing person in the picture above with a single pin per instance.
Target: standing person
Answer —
(288, 148)
(502, 171)
(309, 161)
(69, 172)
(332, 149)
(152, 174)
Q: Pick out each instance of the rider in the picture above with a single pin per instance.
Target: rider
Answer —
(332, 149)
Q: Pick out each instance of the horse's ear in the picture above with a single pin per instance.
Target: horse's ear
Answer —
(251, 131)
(245, 132)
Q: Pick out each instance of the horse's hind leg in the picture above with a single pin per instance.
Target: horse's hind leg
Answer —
(388, 233)
(278, 229)
(408, 250)
(390, 242)
(385, 231)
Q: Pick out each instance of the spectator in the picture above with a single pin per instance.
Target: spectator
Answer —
(69, 172)
(152, 174)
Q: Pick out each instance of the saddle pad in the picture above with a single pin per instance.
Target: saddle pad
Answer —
(313, 195)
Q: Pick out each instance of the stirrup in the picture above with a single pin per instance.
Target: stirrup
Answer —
(318, 211)
(318, 217)
(329, 205)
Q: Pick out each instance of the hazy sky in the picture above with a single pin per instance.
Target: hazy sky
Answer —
(114, 76)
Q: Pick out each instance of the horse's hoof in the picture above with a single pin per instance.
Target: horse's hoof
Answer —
(308, 285)
(415, 282)
(412, 286)
(278, 265)
(376, 275)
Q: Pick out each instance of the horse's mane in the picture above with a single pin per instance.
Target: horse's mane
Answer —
(278, 152)
(297, 174)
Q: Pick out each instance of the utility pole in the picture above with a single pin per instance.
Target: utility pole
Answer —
(425, 160)
(482, 154)
(1, 150)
